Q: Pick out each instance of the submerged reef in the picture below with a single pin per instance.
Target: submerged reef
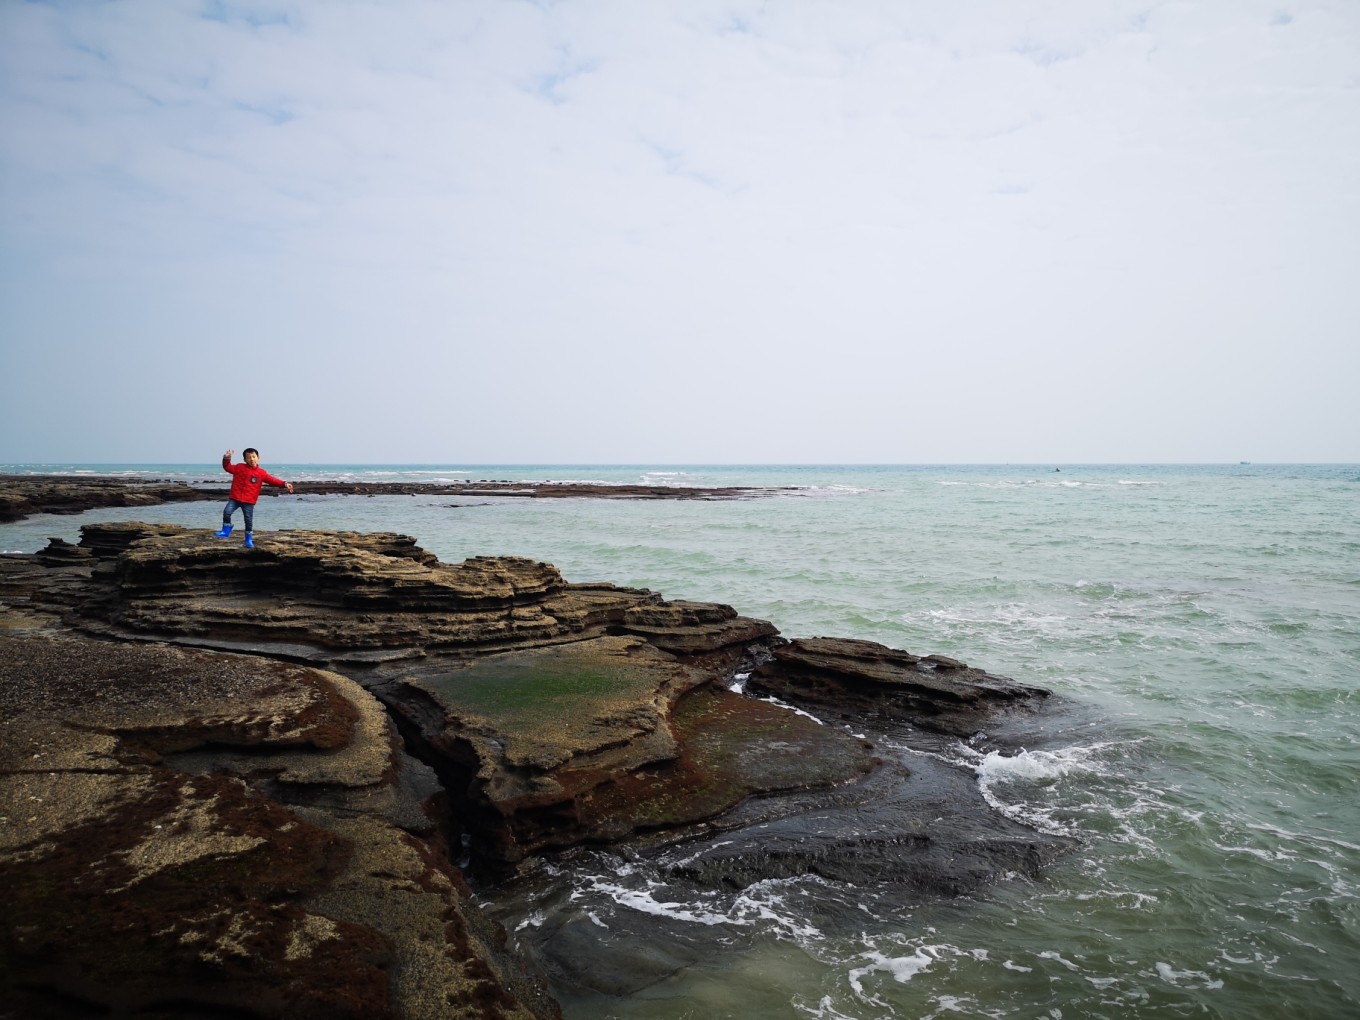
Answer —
(251, 782)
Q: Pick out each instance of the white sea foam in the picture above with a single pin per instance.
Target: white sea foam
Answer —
(1021, 786)
(1181, 977)
(1049, 954)
(1312, 837)
(1029, 483)
(534, 920)
(831, 490)
(765, 901)
(1119, 897)
(1021, 624)
(681, 862)
(763, 905)
(676, 478)
(1257, 852)
(824, 1010)
(902, 968)
(643, 901)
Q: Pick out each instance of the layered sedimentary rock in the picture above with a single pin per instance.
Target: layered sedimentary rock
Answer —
(865, 680)
(232, 778)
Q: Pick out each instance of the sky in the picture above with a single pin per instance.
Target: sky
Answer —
(680, 231)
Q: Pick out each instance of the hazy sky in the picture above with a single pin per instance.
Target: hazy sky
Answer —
(680, 231)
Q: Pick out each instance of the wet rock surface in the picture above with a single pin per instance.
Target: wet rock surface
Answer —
(868, 681)
(237, 780)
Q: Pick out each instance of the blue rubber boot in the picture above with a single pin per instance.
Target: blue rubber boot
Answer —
(224, 533)
(250, 543)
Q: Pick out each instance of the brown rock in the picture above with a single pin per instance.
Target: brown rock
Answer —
(869, 680)
(23, 495)
(148, 861)
(602, 739)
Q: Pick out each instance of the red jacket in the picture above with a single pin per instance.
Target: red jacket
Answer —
(246, 481)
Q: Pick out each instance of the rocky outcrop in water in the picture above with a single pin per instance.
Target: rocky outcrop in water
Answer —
(868, 681)
(235, 780)
(24, 495)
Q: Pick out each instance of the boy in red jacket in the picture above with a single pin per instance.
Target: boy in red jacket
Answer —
(246, 480)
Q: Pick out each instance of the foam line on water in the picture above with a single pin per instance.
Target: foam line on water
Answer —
(764, 904)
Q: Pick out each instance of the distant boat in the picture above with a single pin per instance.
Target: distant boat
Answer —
(1244, 462)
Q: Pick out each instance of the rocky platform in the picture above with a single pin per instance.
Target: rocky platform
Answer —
(24, 495)
(231, 781)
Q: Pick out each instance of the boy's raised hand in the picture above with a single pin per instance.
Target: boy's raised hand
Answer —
(227, 455)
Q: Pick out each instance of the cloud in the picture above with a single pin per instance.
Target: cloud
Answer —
(841, 216)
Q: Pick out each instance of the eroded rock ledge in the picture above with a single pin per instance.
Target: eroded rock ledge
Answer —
(231, 779)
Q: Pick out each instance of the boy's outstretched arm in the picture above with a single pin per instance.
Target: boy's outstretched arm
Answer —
(269, 479)
(226, 460)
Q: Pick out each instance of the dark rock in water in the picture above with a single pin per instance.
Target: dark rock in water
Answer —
(866, 680)
(24, 495)
(268, 833)
(926, 830)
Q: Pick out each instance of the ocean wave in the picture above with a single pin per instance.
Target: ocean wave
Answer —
(1051, 483)
(829, 490)
(1310, 837)
(1070, 791)
(918, 959)
(645, 901)
(764, 905)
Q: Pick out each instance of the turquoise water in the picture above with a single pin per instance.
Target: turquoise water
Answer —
(1201, 623)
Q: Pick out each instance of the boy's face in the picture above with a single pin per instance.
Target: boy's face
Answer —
(253, 459)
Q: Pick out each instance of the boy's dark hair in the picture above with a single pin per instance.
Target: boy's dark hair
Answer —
(250, 449)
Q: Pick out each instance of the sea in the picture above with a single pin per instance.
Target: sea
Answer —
(1199, 626)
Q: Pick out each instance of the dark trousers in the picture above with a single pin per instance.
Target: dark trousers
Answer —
(246, 508)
